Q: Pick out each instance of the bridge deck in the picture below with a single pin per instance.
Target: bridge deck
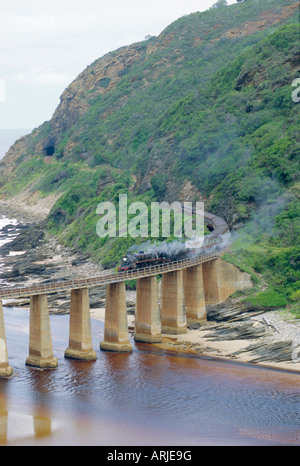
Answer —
(7, 293)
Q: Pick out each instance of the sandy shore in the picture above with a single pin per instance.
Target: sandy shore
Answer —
(198, 342)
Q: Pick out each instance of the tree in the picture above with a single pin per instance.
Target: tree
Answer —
(158, 183)
(220, 3)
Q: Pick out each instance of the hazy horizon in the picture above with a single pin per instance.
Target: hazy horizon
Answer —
(8, 137)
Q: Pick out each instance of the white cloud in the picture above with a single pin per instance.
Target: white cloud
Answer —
(46, 44)
(2, 91)
(43, 76)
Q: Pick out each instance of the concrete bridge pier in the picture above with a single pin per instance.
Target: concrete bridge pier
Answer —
(5, 369)
(194, 295)
(147, 316)
(116, 324)
(221, 279)
(173, 314)
(80, 336)
(40, 339)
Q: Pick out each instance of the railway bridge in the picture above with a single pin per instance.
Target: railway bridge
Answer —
(186, 287)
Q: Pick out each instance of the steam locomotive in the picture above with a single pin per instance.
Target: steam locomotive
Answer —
(218, 227)
(141, 260)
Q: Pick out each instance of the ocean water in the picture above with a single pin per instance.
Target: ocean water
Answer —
(8, 137)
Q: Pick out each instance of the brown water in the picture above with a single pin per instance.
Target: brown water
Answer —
(147, 397)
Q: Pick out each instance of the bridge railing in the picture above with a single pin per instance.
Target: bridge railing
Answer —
(55, 287)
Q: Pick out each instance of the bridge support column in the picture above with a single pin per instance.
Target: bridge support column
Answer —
(147, 316)
(40, 339)
(221, 279)
(80, 337)
(194, 295)
(172, 303)
(5, 369)
(116, 324)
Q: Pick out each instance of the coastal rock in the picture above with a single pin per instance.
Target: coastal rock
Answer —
(231, 311)
(244, 331)
(29, 238)
(272, 352)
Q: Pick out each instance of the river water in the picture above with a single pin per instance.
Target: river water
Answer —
(147, 397)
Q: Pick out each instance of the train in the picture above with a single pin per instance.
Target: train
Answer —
(141, 260)
(216, 239)
(216, 224)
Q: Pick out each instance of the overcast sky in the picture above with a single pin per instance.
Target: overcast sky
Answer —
(45, 44)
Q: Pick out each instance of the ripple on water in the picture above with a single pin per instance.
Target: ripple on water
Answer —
(156, 397)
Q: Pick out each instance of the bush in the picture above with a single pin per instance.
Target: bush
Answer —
(267, 299)
(158, 183)
(295, 296)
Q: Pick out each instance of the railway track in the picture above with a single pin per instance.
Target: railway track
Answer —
(218, 226)
(55, 287)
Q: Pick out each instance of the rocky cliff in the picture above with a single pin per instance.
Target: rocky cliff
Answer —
(109, 94)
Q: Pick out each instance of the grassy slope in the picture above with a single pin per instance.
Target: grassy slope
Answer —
(240, 142)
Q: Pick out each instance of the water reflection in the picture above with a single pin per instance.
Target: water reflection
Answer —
(3, 420)
(143, 398)
(19, 427)
(42, 425)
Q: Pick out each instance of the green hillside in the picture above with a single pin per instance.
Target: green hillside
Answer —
(206, 109)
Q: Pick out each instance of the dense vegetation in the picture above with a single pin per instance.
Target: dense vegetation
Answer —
(208, 101)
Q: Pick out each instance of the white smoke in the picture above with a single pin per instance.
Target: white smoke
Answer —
(177, 250)
(171, 250)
